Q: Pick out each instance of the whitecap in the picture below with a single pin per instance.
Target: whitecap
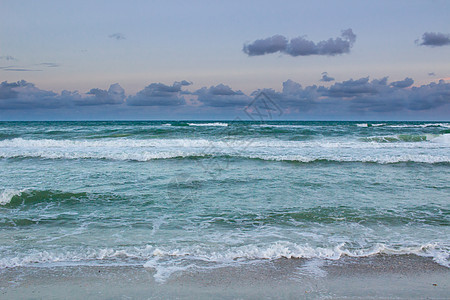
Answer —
(209, 124)
(7, 195)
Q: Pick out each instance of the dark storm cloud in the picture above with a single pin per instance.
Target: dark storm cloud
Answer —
(300, 46)
(221, 96)
(434, 39)
(159, 94)
(117, 36)
(326, 78)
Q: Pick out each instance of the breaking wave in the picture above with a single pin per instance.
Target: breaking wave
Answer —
(389, 149)
(166, 261)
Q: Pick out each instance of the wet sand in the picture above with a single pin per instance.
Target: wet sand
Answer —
(377, 277)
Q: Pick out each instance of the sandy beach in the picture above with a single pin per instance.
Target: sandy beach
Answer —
(378, 277)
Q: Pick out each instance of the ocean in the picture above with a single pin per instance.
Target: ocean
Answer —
(174, 196)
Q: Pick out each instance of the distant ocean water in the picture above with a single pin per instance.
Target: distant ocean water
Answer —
(174, 195)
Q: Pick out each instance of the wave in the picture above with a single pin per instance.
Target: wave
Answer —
(145, 157)
(183, 124)
(4, 136)
(14, 197)
(281, 126)
(36, 144)
(411, 138)
(209, 124)
(7, 195)
(380, 159)
(444, 125)
(166, 261)
(401, 138)
(370, 124)
(442, 139)
(385, 149)
(426, 214)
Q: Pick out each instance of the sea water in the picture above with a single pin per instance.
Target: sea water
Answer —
(174, 196)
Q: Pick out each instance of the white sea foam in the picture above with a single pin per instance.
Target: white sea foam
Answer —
(209, 124)
(7, 195)
(442, 139)
(445, 125)
(281, 126)
(163, 270)
(434, 149)
(166, 261)
(381, 159)
(19, 144)
(362, 125)
(313, 268)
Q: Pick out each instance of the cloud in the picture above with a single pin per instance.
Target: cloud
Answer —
(49, 64)
(293, 96)
(221, 96)
(350, 88)
(433, 95)
(349, 99)
(431, 74)
(159, 94)
(276, 43)
(15, 69)
(117, 36)
(326, 78)
(300, 46)
(113, 96)
(434, 39)
(361, 97)
(8, 57)
(407, 82)
(25, 95)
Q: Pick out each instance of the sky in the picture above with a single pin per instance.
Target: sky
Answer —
(206, 60)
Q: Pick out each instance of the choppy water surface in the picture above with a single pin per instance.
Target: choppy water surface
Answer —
(182, 195)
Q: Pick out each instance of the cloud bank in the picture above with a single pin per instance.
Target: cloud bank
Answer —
(349, 99)
(363, 97)
(434, 39)
(300, 46)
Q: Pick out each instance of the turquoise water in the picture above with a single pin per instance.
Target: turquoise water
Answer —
(181, 195)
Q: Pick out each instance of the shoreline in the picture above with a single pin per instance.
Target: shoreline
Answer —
(379, 276)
